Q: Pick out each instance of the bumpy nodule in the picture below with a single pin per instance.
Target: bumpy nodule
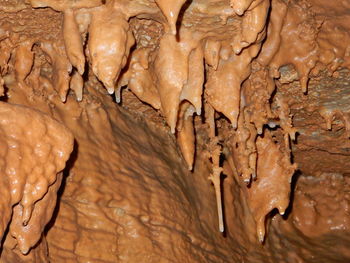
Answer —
(35, 150)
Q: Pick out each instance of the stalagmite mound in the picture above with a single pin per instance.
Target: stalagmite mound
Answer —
(174, 131)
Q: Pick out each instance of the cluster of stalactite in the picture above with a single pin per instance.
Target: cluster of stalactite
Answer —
(186, 69)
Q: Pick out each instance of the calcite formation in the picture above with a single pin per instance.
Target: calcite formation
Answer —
(35, 149)
(115, 114)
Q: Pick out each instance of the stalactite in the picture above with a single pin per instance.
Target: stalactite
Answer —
(110, 40)
(273, 39)
(210, 119)
(212, 52)
(224, 85)
(305, 51)
(193, 88)
(244, 150)
(139, 79)
(285, 117)
(329, 116)
(73, 41)
(272, 187)
(171, 67)
(171, 11)
(61, 68)
(186, 134)
(6, 48)
(256, 92)
(24, 61)
(77, 84)
(172, 71)
(214, 177)
(240, 6)
(254, 22)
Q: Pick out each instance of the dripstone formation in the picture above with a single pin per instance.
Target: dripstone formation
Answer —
(175, 131)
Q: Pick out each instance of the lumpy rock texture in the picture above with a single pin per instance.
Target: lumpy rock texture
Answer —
(34, 151)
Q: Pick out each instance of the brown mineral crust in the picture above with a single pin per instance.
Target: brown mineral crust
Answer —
(36, 148)
(117, 206)
(314, 140)
(28, 24)
(320, 212)
(256, 72)
(62, 5)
